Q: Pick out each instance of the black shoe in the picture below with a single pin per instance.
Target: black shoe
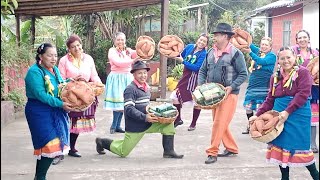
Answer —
(314, 150)
(99, 146)
(211, 159)
(245, 131)
(191, 128)
(226, 153)
(112, 131)
(57, 160)
(120, 130)
(180, 122)
(74, 154)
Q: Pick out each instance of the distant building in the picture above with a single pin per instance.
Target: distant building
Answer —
(286, 17)
(255, 21)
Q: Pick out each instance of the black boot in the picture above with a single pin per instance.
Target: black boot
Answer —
(103, 143)
(167, 143)
(178, 120)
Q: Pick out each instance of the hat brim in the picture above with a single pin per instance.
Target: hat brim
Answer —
(133, 70)
(231, 33)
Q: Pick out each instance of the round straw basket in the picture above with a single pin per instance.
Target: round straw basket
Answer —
(82, 107)
(213, 106)
(152, 44)
(177, 39)
(163, 120)
(271, 134)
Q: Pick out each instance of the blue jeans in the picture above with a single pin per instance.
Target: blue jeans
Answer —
(117, 116)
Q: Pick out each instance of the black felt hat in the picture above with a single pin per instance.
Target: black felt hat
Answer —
(139, 65)
(223, 28)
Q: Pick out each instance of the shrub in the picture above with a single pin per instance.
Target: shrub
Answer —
(11, 56)
(18, 98)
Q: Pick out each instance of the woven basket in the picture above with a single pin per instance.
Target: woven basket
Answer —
(177, 38)
(152, 42)
(163, 120)
(213, 106)
(82, 107)
(271, 135)
(98, 88)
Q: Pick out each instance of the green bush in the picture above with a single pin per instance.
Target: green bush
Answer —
(12, 55)
(18, 98)
(258, 34)
(190, 37)
(100, 56)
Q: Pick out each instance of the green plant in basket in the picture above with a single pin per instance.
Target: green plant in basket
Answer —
(208, 94)
(177, 71)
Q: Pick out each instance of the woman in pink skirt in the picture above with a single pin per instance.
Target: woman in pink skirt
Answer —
(77, 64)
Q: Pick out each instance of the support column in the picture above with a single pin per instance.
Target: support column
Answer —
(199, 19)
(205, 19)
(18, 39)
(163, 59)
(33, 30)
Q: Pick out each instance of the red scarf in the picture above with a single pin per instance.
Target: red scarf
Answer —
(143, 86)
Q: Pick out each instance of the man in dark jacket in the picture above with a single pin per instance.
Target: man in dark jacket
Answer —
(138, 122)
(224, 64)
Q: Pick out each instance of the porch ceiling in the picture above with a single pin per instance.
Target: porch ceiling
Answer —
(70, 7)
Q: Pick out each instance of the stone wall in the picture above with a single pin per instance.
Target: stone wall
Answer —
(14, 77)
(7, 113)
(14, 80)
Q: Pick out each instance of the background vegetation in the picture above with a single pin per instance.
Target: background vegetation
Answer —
(96, 30)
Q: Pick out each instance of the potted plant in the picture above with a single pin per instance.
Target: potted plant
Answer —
(176, 74)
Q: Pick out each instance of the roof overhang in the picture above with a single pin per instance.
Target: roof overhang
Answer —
(71, 7)
(275, 5)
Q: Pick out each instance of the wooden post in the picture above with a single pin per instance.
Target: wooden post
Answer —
(199, 19)
(33, 30)
(205, 26)
(163, 59)
(142, 25)
(18, 40)
(90, 33)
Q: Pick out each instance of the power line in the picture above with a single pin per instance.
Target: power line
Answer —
(219, 6)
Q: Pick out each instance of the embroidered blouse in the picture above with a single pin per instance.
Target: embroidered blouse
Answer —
(87, 68)
(301, 90)
(121, 61)
(304, 60)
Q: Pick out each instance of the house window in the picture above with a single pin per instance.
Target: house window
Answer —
(286, 33)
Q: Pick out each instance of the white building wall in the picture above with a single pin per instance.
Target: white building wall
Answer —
(311, 22)
(256, 20)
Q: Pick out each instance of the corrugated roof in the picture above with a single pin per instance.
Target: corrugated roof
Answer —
(67, 7)
(276, 4)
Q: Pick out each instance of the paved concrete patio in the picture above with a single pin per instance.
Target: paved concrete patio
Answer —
(145, 162)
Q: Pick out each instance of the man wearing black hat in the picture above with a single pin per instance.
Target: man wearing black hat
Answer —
(224, 64)
(138, 122)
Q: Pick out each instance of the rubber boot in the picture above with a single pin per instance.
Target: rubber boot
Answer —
(167, 143)
(103, 143)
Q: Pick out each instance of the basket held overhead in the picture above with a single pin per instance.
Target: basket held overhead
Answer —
(145, 47)
(241, 39)
(170, 46)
